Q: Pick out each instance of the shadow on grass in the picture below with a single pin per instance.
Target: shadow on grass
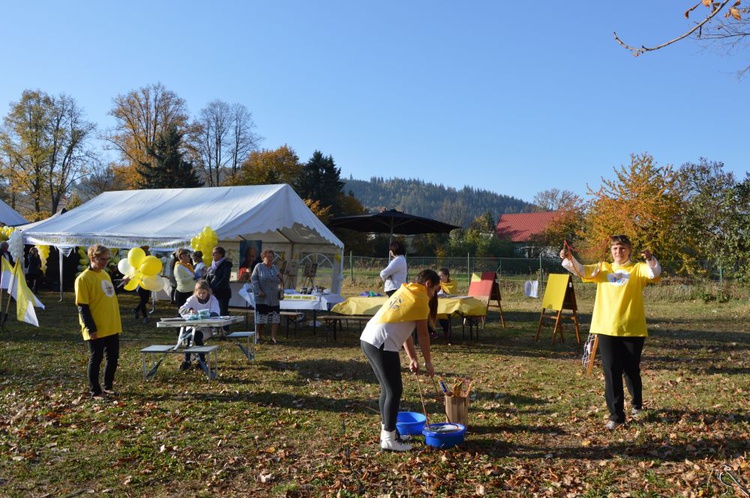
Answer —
(632, 441)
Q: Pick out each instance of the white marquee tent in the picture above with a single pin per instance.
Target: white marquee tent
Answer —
(166, 219)
(10, 216)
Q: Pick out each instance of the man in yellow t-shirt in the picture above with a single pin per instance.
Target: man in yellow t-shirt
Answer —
(619, 319)
(99, 316)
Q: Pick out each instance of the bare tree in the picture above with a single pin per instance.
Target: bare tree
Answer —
(100, 179)
(223, 139)
(45, 145)
(142, 115)
(554, 199)
(730, 29)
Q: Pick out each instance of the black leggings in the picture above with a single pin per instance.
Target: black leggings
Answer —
(621, 355)
(387, 368)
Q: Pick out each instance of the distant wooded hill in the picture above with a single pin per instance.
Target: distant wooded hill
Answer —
(458, 207)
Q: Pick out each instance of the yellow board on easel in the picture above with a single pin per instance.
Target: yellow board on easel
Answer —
(559, 293)
(559, 296)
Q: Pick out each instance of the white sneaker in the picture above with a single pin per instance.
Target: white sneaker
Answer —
(636, 413)
(612, 425)
(390, 441)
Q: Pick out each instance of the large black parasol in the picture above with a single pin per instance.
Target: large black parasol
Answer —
(390, 222)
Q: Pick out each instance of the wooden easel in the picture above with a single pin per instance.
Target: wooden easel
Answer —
(487, 289)
(559, 296)
(309, 273)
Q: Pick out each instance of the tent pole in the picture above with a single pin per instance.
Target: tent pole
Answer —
(60, 268)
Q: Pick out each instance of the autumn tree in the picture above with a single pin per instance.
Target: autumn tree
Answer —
(269, 167)
(166, 166)
(723, 22)
(223, 138)
(643, 201)
(567, 223)
(141, 116)
(45, 143)
(715, 220)
(354, 241)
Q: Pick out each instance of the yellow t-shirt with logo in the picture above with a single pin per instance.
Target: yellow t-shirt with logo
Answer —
(95, 289)
(619, 307)
(396, 319)
(409, 303)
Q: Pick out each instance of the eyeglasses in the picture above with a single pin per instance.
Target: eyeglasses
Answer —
(103, 259)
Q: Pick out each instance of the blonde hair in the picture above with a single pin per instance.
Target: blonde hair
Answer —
(96, 250)
(202, 284)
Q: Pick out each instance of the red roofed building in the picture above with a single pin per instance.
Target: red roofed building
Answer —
(521, 228)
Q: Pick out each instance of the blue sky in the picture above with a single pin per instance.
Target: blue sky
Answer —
(515, 98)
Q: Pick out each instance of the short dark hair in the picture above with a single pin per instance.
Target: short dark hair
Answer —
(397, 247)
(620, 239)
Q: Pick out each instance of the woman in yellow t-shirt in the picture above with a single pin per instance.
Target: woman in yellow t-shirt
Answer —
(619, 319)
(99, 316)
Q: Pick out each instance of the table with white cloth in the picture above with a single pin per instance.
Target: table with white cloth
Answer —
(298, 302)
(186, 330)
(448, 306)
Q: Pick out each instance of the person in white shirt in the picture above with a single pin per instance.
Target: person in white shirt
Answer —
(395, 273)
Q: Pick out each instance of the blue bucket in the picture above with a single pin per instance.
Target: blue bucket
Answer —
(444, 435)
(410, 423)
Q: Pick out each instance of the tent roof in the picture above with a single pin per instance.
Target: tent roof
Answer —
(10, 216)
(169, 218)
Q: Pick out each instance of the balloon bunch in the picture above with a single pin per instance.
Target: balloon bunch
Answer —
(43, 254)
(142, 270)
(5, 232)
(15, 245)
(205, 241)
(83, 258)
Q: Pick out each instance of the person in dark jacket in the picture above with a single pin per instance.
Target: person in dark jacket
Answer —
(34, 275)
(218, 276)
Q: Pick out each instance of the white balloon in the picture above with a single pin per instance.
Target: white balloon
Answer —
(15, 245)
(125, 267)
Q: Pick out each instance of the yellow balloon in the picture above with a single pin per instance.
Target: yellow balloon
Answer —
(136, 256)
(132, 284)
(150, 266)
(152, 283)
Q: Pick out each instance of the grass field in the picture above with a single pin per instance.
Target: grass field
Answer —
(301, 421)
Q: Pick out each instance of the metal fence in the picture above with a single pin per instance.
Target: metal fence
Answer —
(515, 268)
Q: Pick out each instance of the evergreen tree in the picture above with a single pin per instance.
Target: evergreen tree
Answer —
(167, 167)
(321, 181)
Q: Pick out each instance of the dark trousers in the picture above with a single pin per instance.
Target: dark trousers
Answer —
(143, 296)
(621, 355)
(224, 308)
(181, 297)
(98, 348)
(197, 341)
(387, 368)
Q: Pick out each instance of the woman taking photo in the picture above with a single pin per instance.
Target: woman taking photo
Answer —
(395, 273)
